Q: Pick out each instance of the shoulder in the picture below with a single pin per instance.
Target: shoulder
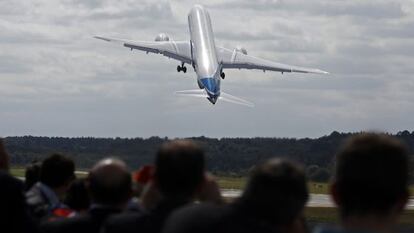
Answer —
(125, 218)
(80, 222)
(13, 186)
(37, 203)
(10, 182)
(195, 218)
(124, 222)
(34, 195)
(330, 229)
(202, 210)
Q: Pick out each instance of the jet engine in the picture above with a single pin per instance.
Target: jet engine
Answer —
(162, 37)
(241, 50)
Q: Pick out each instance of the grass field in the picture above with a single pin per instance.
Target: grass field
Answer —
(19, 172)
(223, 181)
(240, 182)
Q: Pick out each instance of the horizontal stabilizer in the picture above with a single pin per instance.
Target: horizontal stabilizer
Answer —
(223, 97)
(235, 100)
(192, 93)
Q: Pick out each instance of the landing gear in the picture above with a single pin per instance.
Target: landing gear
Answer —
(182, 68)
(222, 75)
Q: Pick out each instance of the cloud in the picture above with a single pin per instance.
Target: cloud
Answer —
(365, 9)
(56, 80)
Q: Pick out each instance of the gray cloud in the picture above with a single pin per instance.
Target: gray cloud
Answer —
(364, 9)
(56, 80)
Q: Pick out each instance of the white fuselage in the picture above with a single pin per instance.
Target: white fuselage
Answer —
(203, 52)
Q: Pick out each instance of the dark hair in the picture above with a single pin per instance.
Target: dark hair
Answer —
(4, 157)
(57, 170)
(371, 174)
(77, 196)
(32, 175)
(110, 184)
(276, 192)
(179, 168)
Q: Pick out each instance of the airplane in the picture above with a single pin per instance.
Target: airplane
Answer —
(207, 59)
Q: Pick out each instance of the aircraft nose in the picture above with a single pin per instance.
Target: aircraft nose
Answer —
(212, 99)
(209, 84)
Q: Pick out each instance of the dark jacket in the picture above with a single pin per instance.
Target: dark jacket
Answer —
(151, 222)
(90, 222)
(206, 218)
(14, 215)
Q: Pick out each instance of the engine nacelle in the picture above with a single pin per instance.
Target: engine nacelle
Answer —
(162, 37)
(241, 50)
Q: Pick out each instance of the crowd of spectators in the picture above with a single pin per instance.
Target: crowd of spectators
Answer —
(177, 194)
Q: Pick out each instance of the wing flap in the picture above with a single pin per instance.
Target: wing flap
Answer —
(233, 59)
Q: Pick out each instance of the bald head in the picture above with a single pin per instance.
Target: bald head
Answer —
(110, 182)
(4, 157)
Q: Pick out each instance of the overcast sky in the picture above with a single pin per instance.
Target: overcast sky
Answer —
(56, 80)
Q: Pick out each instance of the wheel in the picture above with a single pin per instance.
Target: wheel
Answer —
(184, 69)
(178, 69)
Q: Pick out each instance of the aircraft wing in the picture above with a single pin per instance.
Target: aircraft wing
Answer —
(179, 50)
(235, 59)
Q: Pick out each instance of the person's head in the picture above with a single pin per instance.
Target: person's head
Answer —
(77, 197)
(57, 171)
(276, 192)
(371, 176)
(110, 183)
(179, 169)
(32, 175)
(4, 157)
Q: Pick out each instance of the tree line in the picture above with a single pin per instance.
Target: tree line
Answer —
(225, 156)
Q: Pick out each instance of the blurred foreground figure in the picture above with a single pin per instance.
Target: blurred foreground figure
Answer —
(370, 185)
(110, 190)
(45, 197)
(179, 174)
(14, 215)
(32, 175)
(4, 157)
(273, 201)
(77, 197)
(140, 179)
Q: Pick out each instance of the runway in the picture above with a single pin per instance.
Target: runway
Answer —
(316, 200)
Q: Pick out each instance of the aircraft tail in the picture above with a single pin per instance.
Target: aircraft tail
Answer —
(223, 96)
